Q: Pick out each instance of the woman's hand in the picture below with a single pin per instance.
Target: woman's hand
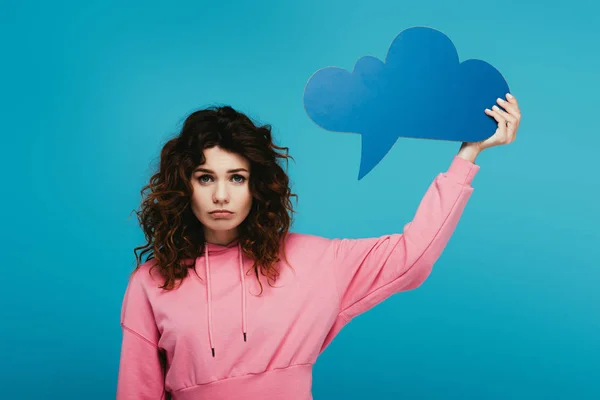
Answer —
(508, 116)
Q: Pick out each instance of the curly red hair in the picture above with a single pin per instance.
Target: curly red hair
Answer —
(174, 234)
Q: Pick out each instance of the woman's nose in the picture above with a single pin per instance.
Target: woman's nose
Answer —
(221, 193)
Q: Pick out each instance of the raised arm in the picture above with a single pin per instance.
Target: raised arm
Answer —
(369, 270)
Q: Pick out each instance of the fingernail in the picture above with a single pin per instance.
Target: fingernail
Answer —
(510, 96)
(495, 107)
(500, 100)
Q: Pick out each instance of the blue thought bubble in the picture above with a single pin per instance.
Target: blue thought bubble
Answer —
(422, 91)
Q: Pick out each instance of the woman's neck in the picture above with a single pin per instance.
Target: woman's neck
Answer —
(221, 238)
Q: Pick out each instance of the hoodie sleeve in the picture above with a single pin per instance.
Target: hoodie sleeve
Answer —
(369, 270)
(141, 372)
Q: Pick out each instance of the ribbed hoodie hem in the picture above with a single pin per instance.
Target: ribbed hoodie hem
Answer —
(292, 383)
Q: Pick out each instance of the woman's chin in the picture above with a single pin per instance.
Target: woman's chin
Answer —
(221, 225)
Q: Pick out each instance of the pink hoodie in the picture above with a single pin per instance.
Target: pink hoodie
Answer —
(220, 341)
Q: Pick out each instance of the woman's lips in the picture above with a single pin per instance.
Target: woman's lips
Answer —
(221, 214)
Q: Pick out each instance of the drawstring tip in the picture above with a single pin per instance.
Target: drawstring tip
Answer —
(244, 336)
(213, 351)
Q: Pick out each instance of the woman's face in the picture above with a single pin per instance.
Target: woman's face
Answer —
(221, 199)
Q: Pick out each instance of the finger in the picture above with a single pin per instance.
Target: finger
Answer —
(512, 107)
(509, 107)
(500, 120)
(511, 132)
(513, 101)
(510, 124)
(507, 116)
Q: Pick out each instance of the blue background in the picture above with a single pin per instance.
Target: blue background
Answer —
(90, 91)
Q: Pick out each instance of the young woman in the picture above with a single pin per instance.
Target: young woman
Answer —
(229, 304)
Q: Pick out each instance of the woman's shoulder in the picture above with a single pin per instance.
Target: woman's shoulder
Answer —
(296, 241)
(306, 237)
(146, 274)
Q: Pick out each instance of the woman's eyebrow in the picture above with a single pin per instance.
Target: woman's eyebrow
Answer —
(209, 171)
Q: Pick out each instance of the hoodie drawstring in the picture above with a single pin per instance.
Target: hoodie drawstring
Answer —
(244, 330)
(209, 297)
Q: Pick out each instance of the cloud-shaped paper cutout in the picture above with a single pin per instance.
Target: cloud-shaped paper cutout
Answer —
(421, 91)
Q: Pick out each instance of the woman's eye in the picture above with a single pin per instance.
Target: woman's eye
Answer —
(204, 178)
(238, 178)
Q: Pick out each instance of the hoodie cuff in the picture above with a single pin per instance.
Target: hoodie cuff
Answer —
(462, 171)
